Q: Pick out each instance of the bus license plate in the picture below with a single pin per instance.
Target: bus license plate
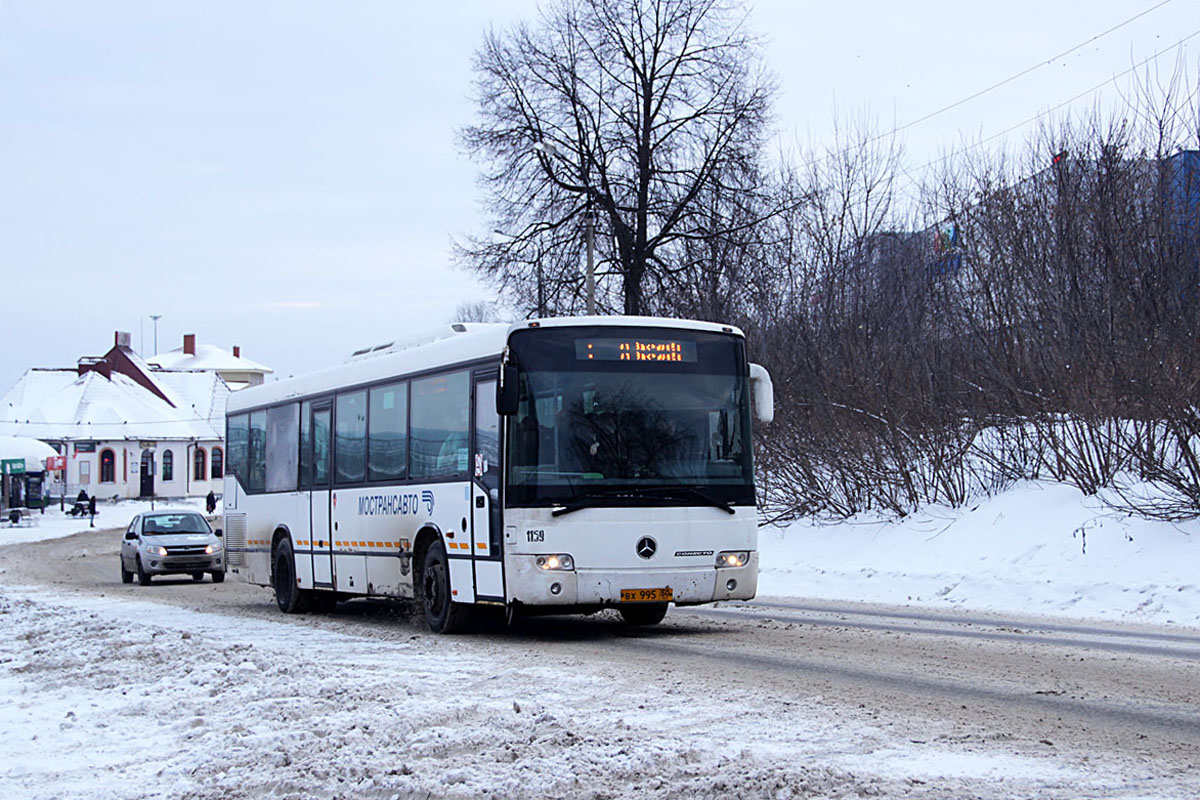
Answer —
(663, 595)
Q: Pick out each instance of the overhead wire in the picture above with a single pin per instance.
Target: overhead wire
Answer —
(1044, 62)
(1028, 70)
(1051, 110)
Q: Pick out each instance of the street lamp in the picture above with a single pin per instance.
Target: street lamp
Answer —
(541, 299)
(156, 318)
(549, 149)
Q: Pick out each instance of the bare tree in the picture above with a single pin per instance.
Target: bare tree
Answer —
(624, 119)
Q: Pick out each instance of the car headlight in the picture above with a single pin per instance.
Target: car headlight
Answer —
(155, 550)
(556, 561)
(212, 548)
(733, 558)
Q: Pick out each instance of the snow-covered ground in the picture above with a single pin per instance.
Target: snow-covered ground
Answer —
(1040, 548)
(135, 699)
(111, 697)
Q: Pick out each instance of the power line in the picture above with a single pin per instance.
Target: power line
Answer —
(997, 85)
(1051, 110)
(1024, 72)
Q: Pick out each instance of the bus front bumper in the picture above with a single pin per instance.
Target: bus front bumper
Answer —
(528, 584)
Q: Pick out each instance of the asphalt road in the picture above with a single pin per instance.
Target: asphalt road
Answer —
(1093, 692)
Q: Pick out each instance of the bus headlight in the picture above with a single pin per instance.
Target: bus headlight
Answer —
(556, 561)
(733, 558)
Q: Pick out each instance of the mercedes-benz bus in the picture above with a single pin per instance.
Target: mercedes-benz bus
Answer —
(557, 465)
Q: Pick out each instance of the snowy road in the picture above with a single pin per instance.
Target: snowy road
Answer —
(199, 690)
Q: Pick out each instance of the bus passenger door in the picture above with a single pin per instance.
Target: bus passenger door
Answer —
(485, 491)
(319, 509)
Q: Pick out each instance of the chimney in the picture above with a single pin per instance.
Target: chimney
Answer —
(189, 344)
(237, 351)
(121, 339)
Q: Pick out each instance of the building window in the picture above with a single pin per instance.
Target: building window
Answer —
(218, 464)
(85, 472)
(108, 466)
(168, 459)
(198, 465)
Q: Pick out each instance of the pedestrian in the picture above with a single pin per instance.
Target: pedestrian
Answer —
(92, 511)
(211, 502)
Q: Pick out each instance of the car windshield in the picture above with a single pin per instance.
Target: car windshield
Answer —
(593, 424)
(159, 524)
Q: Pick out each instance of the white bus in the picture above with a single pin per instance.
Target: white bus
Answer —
(558, 465)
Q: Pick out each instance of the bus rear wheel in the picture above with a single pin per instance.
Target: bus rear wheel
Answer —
(441, 613)
(288, 596)
(643, 613)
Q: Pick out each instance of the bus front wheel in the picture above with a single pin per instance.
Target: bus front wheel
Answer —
(441, 614)
(288, 596)
(643, 613)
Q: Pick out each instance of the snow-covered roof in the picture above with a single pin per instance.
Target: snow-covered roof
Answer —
(34, 452)
(54, 404)
(207, 356)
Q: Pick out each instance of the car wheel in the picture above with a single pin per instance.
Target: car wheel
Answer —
(143, 576)
(441, 613)
(643, 613)
(197, 576)
(288, 596)
(126, 575)
(218, 576)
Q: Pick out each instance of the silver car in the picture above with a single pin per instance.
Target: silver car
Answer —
(171, 543)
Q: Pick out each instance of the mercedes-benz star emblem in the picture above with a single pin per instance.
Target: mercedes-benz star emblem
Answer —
(646, 547)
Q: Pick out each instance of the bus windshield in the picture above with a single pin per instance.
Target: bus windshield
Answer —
(630, 415)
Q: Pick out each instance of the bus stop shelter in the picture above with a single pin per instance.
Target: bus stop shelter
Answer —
(22, 471)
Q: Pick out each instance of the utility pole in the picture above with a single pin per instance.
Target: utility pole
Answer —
(591, 265)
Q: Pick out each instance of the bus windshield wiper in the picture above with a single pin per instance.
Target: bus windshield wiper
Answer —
(691, 491)
(642, 493)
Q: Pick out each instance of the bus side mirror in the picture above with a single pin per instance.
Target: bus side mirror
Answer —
(506, 392)
(762, 394)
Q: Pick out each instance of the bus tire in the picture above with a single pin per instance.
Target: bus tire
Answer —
(441, 613)
(643, 613)
(288, 596)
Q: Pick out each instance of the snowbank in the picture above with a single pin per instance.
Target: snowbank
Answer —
(1040, 548)
(55, 524)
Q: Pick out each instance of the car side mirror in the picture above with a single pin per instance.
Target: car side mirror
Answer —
(130, 535)
(506, 391)
(219, 533)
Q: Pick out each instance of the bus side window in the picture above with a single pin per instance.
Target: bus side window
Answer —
(282, 447)
(350, 437)
(387, 441)
(305, 444)
(256, 470)
(440, 426)
(237, 446)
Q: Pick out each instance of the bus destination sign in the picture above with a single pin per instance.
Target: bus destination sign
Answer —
(633, 349)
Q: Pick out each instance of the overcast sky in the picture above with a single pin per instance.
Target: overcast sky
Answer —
(284, 175)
